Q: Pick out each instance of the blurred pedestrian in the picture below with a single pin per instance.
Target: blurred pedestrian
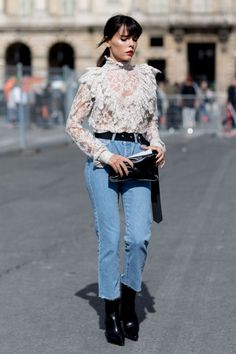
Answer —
(189, 102)
(231, 105)
(162, 104)
(19, 99)
(206, 98)
(11, 110)
(45, 107)
(57, 106)
(174, 110)
(119, 100)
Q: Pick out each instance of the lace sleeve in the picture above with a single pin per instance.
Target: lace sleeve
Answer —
(152, 132)
(80, 109)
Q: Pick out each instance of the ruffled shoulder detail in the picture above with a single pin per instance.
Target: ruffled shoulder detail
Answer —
(148, 73)
(148, 69)
(90, 74)
(149, 88)
(91, 78)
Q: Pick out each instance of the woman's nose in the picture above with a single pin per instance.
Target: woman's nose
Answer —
(131, 42)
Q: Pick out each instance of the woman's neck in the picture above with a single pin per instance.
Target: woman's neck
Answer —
(124, 64)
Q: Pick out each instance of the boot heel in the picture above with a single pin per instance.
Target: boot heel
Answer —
(114, 333)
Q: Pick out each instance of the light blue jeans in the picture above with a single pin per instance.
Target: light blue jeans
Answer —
(136, 201)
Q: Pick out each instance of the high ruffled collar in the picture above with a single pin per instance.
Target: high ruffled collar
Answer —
(124, 65)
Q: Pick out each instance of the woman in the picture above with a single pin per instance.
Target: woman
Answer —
(119, 101)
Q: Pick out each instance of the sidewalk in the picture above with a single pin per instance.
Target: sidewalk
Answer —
(38, 138)
(35, 137)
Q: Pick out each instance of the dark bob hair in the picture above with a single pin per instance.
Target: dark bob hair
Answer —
(112, 26)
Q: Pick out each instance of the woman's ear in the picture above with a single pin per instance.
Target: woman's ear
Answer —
(108, 43)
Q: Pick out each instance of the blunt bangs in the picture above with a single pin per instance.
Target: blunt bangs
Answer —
(133, 28)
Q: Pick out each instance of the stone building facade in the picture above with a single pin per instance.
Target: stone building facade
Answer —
(180, 36)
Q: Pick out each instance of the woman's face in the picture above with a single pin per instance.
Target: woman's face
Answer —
(122, 46)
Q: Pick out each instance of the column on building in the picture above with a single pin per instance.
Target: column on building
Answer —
(40, 42)
(177, 62)
(41, 7)
(85, 47)
(1, 7)
(83, 5)
(39, 47)
(2, 53)
(226, 62)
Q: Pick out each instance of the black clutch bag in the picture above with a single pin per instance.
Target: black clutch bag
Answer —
(144, 169)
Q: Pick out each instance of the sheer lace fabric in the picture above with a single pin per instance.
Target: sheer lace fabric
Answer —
(118, 98)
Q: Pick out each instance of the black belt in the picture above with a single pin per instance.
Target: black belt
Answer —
(135, 137)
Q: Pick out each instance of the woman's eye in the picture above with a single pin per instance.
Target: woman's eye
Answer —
(123, 39)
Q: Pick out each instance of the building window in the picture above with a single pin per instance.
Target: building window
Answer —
(202, 5)
(68, 7)
(156, 42)
(19, 7)
(180, 6)
(227, 6)
(159, 64)
(158, 6)
(18, 52)
(62, 7)
(26, 7)
(60, 55)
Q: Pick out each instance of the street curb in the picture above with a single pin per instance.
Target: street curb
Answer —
(37, 148)
(66, 141)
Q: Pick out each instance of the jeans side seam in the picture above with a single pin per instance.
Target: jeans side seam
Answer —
(93, 199)
(125, 205)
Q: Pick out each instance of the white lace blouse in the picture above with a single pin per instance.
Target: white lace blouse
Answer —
(118, 98)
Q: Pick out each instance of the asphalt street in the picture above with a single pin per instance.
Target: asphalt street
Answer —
(48, 255)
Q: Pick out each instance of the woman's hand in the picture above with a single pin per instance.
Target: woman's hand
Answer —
(117, 162)
(160, 158)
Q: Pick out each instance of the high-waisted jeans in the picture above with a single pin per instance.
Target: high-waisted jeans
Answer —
(136, 201)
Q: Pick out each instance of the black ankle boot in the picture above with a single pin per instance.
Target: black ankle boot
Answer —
(113, 332)
(128, 315)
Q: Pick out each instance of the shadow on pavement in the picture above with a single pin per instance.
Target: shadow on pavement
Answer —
(144, 302)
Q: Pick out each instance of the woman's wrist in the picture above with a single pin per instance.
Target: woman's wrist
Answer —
(159, 144)
(105, 157)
